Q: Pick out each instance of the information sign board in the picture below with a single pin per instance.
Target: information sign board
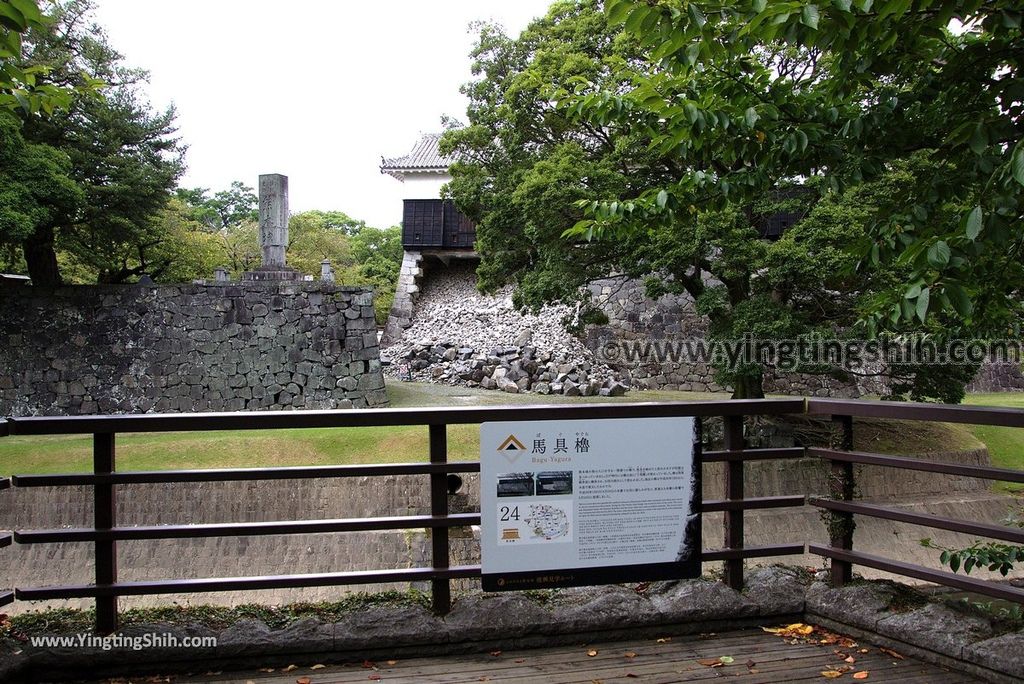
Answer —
(578, 502)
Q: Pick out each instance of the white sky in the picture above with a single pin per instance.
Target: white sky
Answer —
(316, 90)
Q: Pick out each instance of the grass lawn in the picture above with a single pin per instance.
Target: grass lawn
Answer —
(338, 446)
(322, 446)
(1005, 445)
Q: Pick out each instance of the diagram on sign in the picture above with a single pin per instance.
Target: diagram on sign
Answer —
(548, 522)
(524, 522)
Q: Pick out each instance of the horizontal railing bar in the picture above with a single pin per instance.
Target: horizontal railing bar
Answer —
(235, 474)
(753, 552)
(445, 415)
(953, 525)
(986, 587)
(908, 463)
(6, 597)
(245, 529)
(752, 503)
(191, 586)
(975, 415)
(5, 540)
(753, 454)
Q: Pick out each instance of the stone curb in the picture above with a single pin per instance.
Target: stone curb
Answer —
(477, 622)
(933, 633)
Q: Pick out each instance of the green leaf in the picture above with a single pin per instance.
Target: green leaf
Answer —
(922, 304)
(809, 16)
(662, 199)
(960, 300)
(697, 16)
(801, 139)
(750, 117)
(636, 18)
(1017, 164)
(938, 254)
(617, 11)
(843, 5)
(973, 224)
(912, 291)
(691, 112)
(29, 9)
(979, 139)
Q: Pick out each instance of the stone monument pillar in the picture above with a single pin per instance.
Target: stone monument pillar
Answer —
(273, 230)
(273, 219)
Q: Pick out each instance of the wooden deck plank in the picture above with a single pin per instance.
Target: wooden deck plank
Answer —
(673, 660)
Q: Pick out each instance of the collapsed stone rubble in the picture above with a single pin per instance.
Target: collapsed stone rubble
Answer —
(462, 337)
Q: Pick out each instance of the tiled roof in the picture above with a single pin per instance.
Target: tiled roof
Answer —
(424, 156)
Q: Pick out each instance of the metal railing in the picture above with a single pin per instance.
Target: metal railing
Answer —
(106, 532)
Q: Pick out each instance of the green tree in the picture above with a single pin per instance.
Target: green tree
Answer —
(123, 157)
(26, 87)
(37, 193)
(314, 236)
(379, 255)
(753, 92)
(564, 195)
(225, 208)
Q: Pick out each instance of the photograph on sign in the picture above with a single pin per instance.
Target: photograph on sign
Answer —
(578, 502)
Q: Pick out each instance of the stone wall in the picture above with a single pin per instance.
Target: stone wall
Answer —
(998, 377)
(633, 317)
(182, 348)
(406, 293)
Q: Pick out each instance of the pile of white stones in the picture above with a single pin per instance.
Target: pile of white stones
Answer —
(461, 337)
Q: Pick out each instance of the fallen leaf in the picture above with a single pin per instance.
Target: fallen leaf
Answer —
(629, 654)
(290, 668)
(369, 665)
(632, 676)
(709, 662)
(374, 677)
(484, 679)
(753, 670)
(664, 640)
(268, 670)
(863, 674)
(850, 660)
(591, 653)
(727, 660)
(520, 660)
(318, 666)
(890, 652)
(392, 662)
(495, 653)
(831, 674)
(302, 680)
(249, 681)
(750, 663)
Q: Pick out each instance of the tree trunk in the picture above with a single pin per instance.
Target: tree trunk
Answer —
(41, 258)
(748, 387)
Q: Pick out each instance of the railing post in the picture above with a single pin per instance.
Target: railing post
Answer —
(105, 517)
(841, 486)
(440, 589)
(733, 441)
